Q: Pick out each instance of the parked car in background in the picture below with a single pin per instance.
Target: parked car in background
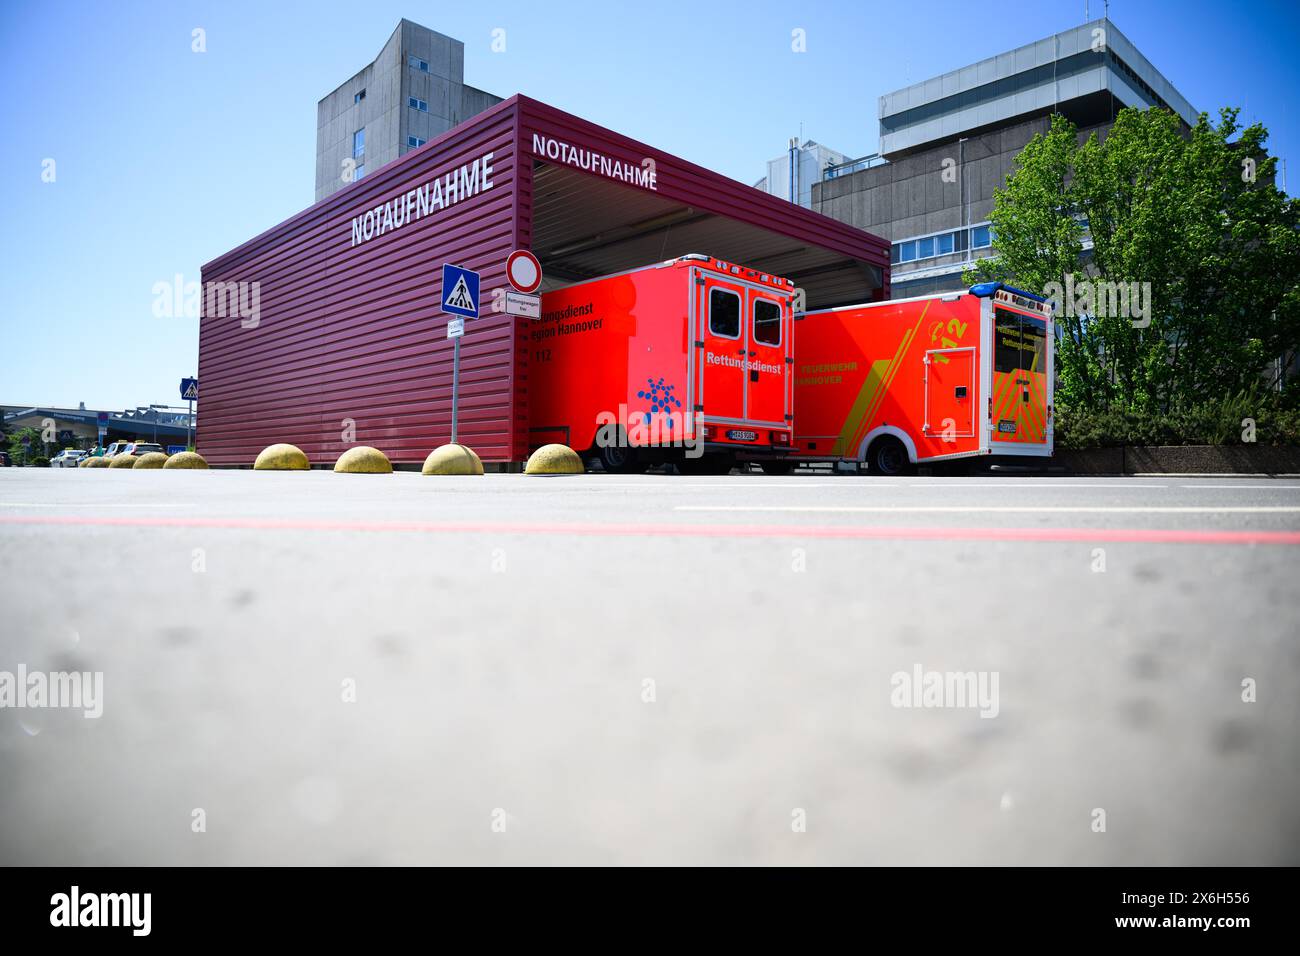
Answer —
(68, 458)
(117, 448)
(143, 448)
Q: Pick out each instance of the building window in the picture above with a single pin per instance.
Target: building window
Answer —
(417, 64)
(358, 172)
(929, 247)
(981, 237)
(358, 97)
(767, 322)
(359, 143)
(724, 314)
(415, 142)
(416, 104)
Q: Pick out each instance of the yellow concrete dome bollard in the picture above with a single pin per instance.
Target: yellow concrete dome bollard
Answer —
(122, 461)
(186, 459)
(151, 459)
(282, 458)
(554, 460)
(363, 460)
(478, 462)
(452, 460)
(97, 461)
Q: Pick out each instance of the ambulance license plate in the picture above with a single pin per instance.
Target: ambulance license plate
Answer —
(1007, 425)
(737, 434)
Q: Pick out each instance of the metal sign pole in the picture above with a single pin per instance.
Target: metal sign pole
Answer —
(189, 392)
(460, 299)
(455, 386)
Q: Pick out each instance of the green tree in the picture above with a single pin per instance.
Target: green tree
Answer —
(20, 454)
(1193, 217)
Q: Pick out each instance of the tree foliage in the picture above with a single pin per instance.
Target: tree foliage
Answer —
(20, 453)
(1192, 220)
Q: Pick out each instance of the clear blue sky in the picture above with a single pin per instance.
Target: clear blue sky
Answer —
(166, 158)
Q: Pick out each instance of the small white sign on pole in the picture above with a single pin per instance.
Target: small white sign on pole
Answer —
(455, 328)
(525, 306)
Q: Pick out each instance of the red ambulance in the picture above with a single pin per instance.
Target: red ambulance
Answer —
(928, 379)
(687, 361)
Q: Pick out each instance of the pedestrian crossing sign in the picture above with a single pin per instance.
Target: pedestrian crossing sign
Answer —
(459, 291)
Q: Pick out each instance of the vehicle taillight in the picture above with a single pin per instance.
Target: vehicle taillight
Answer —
(780, 438)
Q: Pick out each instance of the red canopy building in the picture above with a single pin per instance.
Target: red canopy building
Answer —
(327, 330)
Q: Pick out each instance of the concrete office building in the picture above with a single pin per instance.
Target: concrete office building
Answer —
(791, 176)
(413, 92)
(946, 143)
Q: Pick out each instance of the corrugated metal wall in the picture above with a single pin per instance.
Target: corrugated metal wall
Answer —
(356, 334)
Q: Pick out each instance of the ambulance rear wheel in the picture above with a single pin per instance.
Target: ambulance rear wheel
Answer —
(618, 459)
(888, 457)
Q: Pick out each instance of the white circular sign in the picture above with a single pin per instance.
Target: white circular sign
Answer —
(524, 271)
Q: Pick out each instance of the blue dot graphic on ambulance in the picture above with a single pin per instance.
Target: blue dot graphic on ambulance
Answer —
(661, 398)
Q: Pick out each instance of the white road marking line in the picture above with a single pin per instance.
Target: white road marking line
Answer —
(1250, 486)
(671, 483)
(1045, 484)
(1002, 509)
(95, 504)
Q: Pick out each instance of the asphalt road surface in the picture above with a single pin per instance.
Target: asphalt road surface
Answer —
(342, 669)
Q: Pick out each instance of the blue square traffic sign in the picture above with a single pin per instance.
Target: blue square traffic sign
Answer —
(189, 388)
(459, 291)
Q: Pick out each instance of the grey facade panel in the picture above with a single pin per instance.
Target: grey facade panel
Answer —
(1044, 75)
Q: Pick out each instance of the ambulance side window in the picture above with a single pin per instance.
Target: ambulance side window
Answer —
(1006, 347)
(1036, 346)
(767, 322)
(1021, 343)
(724, 314)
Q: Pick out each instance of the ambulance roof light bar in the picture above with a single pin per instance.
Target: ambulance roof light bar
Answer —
(986, 289)
(1013, 296)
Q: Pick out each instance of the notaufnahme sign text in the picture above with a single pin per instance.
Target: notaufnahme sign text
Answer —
(460, 184)
(592, 161)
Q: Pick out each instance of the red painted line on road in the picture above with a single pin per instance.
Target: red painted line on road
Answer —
(848, 532)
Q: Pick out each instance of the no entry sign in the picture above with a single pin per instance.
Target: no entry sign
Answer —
(524, 271)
